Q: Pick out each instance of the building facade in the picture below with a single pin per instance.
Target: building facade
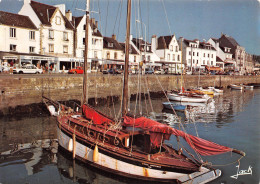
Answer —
(198, 55)
(169, 52)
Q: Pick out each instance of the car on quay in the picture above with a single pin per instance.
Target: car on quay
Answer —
(27, 69)
(149, 71)
(112, 71)
(77, 70)
(160, 71)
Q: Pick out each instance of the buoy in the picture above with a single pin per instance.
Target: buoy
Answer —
(74, 146)
(70, 146)
(95, 154)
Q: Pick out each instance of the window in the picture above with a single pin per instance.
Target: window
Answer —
(171, 48)
(51, 34)
(208, 55)
(58, 20)
(110, 44)
(108, 55)
(134, 58)
(115, 55)
(93, 41)
(149, 58)
(193, 53)
(204, 62)
(178, 57)
(189, 52)
(211, 55)
(211, 62)
(197, 61)
(65, 36)
(83, 41)
(13, 32)
(32, 35)
(173, 57)
(95, 54)
(168, 57)
(193, 61)
(197, 53)
(65, 49)
(148, 48)
(12, 47)
(176, 49)
(31, 49)
(84, 27)
(51, 48)
(204, 55)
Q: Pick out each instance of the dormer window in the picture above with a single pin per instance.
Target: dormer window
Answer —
(95, 30)
(58, 20)
(110, 44)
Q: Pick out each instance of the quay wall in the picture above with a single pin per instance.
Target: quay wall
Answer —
(18, 90)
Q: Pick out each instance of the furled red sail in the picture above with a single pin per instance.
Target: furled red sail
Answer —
(158, 132)
(96, 117)
(156, 129)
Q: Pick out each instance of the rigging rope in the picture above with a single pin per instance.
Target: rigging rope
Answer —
(166, 17)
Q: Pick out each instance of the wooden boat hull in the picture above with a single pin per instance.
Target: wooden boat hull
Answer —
(205, 92)
(182, 98)
(177, 107)
(101, 160)
(237, 87)
(248, 87)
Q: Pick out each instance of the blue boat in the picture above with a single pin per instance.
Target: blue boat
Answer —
(171, 105)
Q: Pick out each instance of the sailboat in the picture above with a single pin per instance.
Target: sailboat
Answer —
(132, 147)
(186, 96)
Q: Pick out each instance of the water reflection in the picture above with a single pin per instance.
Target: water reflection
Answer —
(29, 150)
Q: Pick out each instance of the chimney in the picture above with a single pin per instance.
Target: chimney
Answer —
(92, 21)
(154, 43)
(27, 1)
(96, 23)
(114, 36)
(69, 15)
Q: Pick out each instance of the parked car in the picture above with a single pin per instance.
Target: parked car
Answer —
(77, 70)
(160, 71)
(105, 71)
(27, 69)
(149, 71)
(112, 71)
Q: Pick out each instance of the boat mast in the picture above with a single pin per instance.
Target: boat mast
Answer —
(125, 87)
(85, 84)
(181, 64)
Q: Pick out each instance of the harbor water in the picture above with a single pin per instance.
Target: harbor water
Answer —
(29, 151)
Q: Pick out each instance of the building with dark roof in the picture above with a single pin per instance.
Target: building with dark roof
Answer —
(168, 50)
(19, 40)
(238, 52)
(56, 31)
(197, 55)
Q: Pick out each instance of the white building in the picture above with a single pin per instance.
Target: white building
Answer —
(198, 55)
(95, 42)
(169, 52)
(224, 54)
(145, 53)
(19, 41)
(56, 31)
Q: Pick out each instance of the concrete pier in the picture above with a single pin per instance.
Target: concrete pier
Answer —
(23, 90)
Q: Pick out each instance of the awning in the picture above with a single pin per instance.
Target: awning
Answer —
(213, 68)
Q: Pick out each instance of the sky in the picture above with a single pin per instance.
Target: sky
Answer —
(191, 19)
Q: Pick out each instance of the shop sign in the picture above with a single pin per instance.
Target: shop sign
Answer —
(10, 57)
(37, 58)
